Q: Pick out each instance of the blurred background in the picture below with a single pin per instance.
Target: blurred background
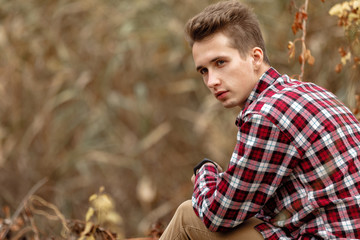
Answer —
(104, 93)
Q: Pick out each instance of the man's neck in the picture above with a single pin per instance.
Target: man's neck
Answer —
(263, 69)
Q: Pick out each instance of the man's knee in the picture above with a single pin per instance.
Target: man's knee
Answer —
(185, 213)
(185, 208)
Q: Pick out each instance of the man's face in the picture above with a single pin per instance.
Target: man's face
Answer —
(229, 77)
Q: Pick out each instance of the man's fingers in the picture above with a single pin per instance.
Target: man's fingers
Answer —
(193, 179)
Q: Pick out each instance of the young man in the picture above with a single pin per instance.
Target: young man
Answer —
(295, 170)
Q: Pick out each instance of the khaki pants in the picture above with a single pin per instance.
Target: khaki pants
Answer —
(186, 225)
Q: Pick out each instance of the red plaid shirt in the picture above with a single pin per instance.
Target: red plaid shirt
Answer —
(295, 166)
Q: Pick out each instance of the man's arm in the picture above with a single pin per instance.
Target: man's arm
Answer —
(204, 163)
(262, 158)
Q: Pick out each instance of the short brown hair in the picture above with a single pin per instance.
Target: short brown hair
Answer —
(235, 20)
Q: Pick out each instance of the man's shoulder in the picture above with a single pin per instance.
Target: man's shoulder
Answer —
(287, 97)
(282, 91)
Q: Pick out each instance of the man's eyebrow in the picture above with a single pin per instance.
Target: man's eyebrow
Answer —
(211, 61)
(198, 68)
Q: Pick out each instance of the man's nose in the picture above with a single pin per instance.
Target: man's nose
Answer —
(213, 80)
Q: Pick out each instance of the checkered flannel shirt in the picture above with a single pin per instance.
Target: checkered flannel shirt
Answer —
(296, 166)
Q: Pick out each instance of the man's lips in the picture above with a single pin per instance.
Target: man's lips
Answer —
(220, 94)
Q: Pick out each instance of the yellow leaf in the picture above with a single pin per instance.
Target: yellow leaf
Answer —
(356, 4)
(114, 218)
(291, 48)
(87, 230)
(346, 6)
(290, 45)
(93, 197)
(89, 214)
(346, 58)
(353, 16)
(336, 10)
(103, 203)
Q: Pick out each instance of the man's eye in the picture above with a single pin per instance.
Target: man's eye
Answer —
(220, 63)
(203, 71)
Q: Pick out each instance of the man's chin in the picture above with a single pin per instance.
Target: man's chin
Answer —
(228, 105)
(231, 104)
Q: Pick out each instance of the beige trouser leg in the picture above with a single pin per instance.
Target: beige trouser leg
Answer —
(186, 225)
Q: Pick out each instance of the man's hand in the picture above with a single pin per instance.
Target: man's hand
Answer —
(193, 179)
(216, 165)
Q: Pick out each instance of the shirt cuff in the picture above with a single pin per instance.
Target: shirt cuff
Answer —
(199, 165)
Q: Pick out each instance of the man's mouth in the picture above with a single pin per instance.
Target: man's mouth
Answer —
(220, 94)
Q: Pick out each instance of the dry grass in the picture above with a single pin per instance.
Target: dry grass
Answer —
(103, 93)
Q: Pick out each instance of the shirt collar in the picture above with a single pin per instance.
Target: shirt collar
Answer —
(265, 81)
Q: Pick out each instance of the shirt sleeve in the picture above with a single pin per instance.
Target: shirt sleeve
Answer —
(262, 158)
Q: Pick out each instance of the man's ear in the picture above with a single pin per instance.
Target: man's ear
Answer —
(258, 57)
